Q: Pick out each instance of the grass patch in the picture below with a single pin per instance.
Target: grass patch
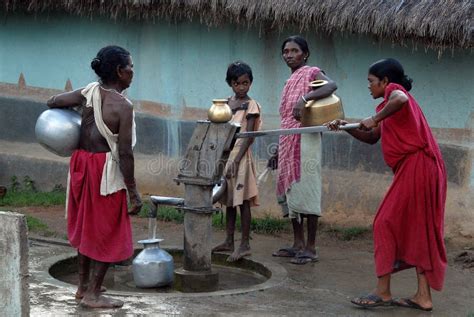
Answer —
(30, 198)
(348, 234)
(269, 225)
(266, 225)
(20, 194)
(35, 225)
(165, 213)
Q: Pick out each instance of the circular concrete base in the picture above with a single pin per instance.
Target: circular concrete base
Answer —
(195, 282)
(274, 273)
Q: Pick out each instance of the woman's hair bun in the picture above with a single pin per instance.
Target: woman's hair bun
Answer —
(95, 64)
(407, 82)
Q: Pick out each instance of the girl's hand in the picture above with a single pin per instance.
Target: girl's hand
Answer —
(232, 169)
(298, 108)
(335, 124)
(368, 123)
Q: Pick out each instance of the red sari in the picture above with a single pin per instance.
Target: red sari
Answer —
(98, 226)
(409, 224)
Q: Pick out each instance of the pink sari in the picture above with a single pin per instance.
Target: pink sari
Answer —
(289, 151)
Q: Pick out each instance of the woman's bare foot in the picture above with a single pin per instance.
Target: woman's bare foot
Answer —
(82, 290)
(239, 253)
(100, 302)
(225, 246)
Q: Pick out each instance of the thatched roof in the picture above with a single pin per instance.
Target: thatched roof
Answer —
(436, 24)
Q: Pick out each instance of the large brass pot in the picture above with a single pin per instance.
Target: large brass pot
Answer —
(322, 110)
(220, 111)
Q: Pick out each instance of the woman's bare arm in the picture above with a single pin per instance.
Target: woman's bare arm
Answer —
(66, 99)
(323, 91)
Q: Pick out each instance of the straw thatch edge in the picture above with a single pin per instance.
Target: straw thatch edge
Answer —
(437, 24)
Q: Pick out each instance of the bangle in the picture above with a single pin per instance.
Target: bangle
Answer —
(304, 99)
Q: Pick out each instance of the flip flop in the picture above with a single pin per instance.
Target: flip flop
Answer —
(375, 301)
(286, 252)
(303, 258)
(408, 303)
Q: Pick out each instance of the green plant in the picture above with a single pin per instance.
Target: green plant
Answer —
(37, 226)
(269, 225)
(167, 213)
(29, 184)
(58, 188)
(347, 234)
(164, 213)
(20, 198)
(266, 225)
(14, 184)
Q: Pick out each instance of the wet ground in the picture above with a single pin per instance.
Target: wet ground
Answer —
(324, 288)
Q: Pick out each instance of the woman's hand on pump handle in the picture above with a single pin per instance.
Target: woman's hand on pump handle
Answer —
(335, 124)
(368, 123)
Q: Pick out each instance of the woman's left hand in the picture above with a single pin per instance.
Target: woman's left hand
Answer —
(368, 123)
(298, 108)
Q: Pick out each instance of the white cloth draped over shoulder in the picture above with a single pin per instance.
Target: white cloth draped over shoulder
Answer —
(112, 178)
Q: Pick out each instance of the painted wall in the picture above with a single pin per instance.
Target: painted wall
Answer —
(184, 64)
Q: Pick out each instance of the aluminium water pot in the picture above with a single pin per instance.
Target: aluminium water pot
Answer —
(58, 130)
(153, 266)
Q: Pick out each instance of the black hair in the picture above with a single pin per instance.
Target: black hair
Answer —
(237, 69)
(393, 70)
(106, 62)
(300, 41)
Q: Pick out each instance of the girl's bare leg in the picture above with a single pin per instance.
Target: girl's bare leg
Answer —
(228, 244)
(245, 220)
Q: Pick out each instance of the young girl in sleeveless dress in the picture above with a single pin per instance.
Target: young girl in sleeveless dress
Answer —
(240, 174)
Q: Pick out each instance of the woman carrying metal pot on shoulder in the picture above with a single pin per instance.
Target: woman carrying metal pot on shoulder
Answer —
(101, 173)
(299, 156)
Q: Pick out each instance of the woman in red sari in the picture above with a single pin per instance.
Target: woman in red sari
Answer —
(408, 228)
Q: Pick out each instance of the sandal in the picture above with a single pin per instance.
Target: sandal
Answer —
(408, 303)
(286, 252)
(371, 300)
(304, 257)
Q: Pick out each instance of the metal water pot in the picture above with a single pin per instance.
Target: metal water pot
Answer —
(58, 130)
(153, 266)
(220, 111)
(323, 110)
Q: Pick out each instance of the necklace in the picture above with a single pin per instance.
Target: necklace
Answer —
(112, 90)
(115, 91)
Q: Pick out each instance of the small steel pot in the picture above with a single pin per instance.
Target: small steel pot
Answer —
(153, 266)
